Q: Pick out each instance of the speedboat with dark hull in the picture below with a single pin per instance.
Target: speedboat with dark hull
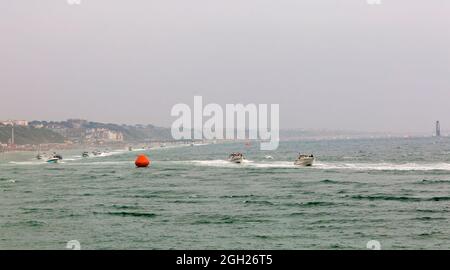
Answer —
(236, 158)
(304, 160)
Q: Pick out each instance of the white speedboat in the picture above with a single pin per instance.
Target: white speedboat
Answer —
(236, 158)
(304, 160)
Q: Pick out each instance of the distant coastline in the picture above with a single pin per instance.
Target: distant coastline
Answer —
(28, 136)
(22, 135)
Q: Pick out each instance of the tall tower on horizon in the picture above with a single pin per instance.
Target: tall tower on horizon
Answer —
(438, 129)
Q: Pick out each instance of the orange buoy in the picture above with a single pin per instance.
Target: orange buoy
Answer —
(142, 161)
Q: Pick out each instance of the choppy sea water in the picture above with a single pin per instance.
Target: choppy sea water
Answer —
(395, 191)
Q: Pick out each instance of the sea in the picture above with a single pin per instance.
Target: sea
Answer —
(395, 192)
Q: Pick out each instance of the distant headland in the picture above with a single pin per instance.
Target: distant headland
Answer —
(24, 135)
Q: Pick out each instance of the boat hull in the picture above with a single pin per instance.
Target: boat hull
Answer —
(236, 160)
(53, 160)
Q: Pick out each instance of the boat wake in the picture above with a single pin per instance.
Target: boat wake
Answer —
(96, 163)
(216, 163)
(68, 159)
(38, 162)
(73, 159)
(329, 165)
(245, 163)
(384, 166)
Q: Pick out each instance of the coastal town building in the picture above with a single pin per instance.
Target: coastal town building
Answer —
(103, 134)
(77, 123)
(37, 125)
(22, 123)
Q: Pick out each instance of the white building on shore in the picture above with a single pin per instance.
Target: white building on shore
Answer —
(20, 123)
(103, 135)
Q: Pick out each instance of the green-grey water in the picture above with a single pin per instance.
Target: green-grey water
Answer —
(395, 191)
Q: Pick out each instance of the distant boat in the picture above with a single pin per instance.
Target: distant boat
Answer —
(96, 153)
(85, 154)
(130, 148)
(304, 160)
(268, 157)
(236, 158)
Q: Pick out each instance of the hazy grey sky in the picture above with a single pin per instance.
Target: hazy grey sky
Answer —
(335, 64)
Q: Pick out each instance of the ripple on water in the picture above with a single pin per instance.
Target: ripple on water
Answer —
(310, 204)
(117, 206)
(259, 202)
(338, 182)
(28, 223)
(427, 218)
(127, 214)
(226, 219)
(433, 182)
(431, 210)
(239, 196)
(398, 198)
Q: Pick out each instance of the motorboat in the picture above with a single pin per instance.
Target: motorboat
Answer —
(52, 156)
(96, 153)
(268, 157)
(85, 154)
(236, 158)
(304, 160)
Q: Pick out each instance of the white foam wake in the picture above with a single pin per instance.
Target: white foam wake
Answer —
(384, 166)
(245, 163)
(330, 166)
(38, 162)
